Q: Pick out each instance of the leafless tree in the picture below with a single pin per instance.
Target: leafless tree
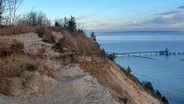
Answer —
(1, 10)
(3, 4)
(11, 8)
(42, 19)
(34, 18)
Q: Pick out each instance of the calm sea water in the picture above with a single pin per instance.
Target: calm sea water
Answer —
(165, 72)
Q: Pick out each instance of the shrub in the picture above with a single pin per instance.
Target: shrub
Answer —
(103, 52)
(158, 93)
(164, 100)
(111, 56)
(59, 46)
(148, 85)
(80, 31)
(57, 24)
(10, 46)
(128, 69)
(93, 37)
(46, 33)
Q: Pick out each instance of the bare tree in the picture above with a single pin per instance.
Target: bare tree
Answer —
(34, 18)
(2, 10)
(12, 7)
(42, 19)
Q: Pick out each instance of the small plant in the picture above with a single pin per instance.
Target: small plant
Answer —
(164, 100)
(57, 24)
(10, 46)
(40, 33)
(93, 37)
(158, 93)
(103, 52)
(80, 31)
(129, 70)
(147, 85)
(58, 47)
(111, 56)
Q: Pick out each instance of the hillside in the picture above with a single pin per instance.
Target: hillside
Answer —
(55, 66)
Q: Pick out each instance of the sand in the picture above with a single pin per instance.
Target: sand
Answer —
(67, 83)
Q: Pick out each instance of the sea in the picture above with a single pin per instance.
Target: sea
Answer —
(166, 73)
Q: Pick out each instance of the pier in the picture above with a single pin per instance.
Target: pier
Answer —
(165, 52)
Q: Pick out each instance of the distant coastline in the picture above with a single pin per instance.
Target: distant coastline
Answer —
(137, 31)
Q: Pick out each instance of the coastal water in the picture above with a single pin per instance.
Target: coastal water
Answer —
(166, 73)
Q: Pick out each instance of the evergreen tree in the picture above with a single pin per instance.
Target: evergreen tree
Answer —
(129, 70)
(70, 24)
(57, 24)
(164, 99)
(93, 37)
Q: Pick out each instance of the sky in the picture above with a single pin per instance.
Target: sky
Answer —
(113, 15)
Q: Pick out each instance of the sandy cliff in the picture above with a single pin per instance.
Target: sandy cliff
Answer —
(32, 72)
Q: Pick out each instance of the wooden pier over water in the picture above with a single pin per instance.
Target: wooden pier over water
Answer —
(166, 52)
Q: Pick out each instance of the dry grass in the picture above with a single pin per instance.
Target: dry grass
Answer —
(74, 41)
(46, 33)
(10, 46)
(80, 42)
(5, 86)
(44, 70)
(15, 66)
(8, 49)
(19, 28)
(7, 70)
(22, 27)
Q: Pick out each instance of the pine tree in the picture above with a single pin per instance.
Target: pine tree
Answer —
(70, 24)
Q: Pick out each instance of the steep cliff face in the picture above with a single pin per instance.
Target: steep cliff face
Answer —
(32, 71)
(122, 88)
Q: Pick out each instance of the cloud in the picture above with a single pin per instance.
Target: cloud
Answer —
(170, 20)
(181, 7)
(97, 25)
(165, 21)
(167, 13)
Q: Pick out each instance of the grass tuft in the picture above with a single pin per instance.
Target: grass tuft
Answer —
(10, 46)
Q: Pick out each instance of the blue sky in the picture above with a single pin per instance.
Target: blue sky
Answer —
(114, 14)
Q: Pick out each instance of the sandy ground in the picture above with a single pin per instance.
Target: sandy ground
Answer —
(70, 84)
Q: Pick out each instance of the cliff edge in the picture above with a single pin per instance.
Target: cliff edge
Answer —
(55, 66)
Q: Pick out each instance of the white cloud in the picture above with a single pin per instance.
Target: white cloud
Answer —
(170, 20)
